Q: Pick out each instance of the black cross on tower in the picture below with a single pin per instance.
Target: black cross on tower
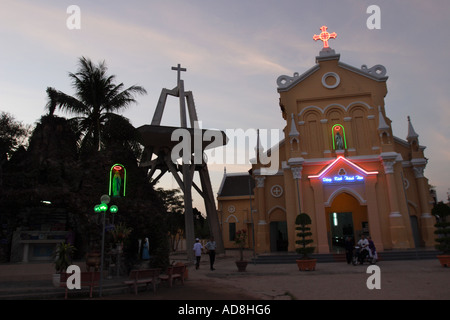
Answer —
(178, 68)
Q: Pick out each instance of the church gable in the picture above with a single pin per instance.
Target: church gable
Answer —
(330, 73)
(332, 82)
(334, 96)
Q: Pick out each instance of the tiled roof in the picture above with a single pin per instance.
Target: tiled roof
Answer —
(236, 185)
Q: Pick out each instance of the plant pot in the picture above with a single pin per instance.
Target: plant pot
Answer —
(444, 259)
(241, 265)
(56, 279)
(306, 264)
(93, 260)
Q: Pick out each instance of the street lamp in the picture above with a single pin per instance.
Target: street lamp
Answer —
(102, 208)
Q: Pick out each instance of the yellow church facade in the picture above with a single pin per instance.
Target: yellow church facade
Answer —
(339, 162)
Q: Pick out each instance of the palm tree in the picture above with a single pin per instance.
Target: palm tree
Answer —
(95, 102)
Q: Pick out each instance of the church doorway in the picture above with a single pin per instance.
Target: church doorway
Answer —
(341, 227)
(278, 236)
(346, 217)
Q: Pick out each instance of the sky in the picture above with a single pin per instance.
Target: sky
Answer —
(234, 51)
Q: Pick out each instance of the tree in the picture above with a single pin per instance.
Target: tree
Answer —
(201, 227)
(172, 199)
(442, 212)
(13, 134)
(95, 102)
(303, 221)
(174, 204)
(46, 170)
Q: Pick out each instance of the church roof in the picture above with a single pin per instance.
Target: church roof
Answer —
(377, 72)
(236, 184)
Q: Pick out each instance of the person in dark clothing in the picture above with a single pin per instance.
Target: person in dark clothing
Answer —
(211, 247)
(372, 250)
(349, 245)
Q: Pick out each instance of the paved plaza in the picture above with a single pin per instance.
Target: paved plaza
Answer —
(401, 280)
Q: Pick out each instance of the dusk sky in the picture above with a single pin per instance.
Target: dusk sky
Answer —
(234, 52)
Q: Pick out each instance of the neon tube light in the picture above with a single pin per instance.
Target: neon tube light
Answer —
(349, 162)
(117, 180)
(324, 36)
(335, 129)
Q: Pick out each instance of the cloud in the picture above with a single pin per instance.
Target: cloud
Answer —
(234, 51)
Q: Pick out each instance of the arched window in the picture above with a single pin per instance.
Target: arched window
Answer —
(338, 137)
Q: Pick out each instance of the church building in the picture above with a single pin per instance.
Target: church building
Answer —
(338, 162)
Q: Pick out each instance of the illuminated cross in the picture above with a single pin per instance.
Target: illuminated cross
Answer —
(179, 69)
(325, 36)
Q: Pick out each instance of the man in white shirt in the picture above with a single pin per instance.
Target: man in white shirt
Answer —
(363, 244)
(198, 252)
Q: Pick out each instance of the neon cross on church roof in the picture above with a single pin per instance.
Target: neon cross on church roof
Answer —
(325, 36)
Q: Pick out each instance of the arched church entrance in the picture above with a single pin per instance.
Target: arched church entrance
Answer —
(278, 231)
(346, 217)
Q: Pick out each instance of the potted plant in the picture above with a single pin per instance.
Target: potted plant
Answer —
(442, 213)
(241, 241)
(63, 258)
(120, 233)
(303, 221)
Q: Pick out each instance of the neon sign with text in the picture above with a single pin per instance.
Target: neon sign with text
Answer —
(339, 179)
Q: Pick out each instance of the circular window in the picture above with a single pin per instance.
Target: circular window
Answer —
(330, 80)
(276, 191)
(231, 209)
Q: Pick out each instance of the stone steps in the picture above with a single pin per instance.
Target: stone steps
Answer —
(340, 257)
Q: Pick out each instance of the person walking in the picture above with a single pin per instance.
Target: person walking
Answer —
(198, 252)
(211, 247)
(145, 250)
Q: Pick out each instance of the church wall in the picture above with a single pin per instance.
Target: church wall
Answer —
(313, 141)
(383, 210)
(402, 203)
(356, 116)
(235, 210)
(291, 205)
(412, 193)
(272, 199)
(360, 132)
